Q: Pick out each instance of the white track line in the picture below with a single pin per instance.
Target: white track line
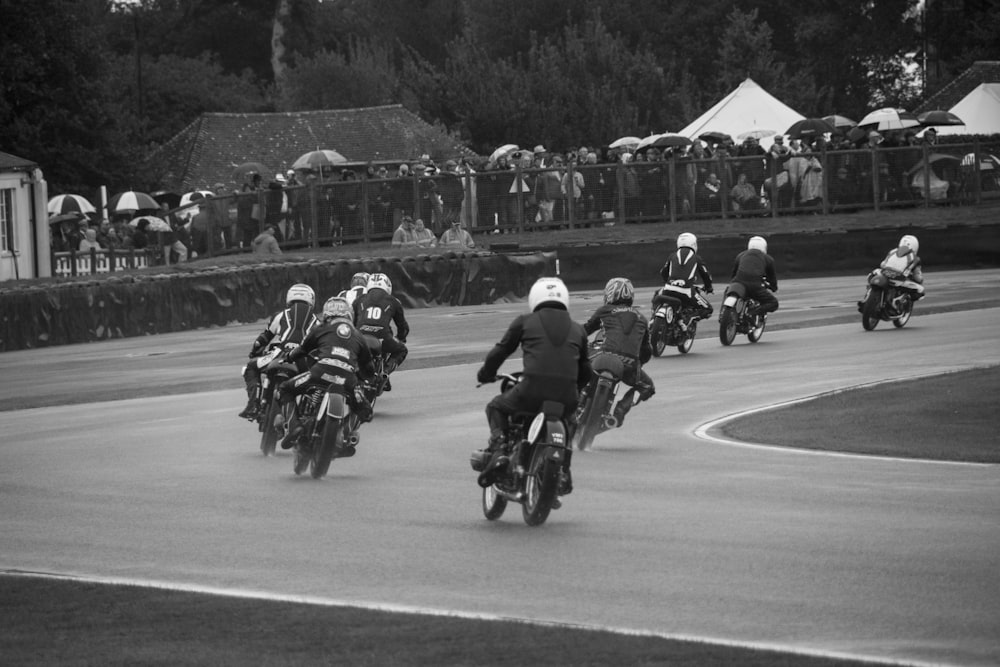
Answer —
(475, 616)
(703, 430)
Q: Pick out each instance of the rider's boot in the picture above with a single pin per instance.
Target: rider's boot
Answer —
(623, 406)
(390, 366)
(250, 411)
(496, 462)
(293, 431)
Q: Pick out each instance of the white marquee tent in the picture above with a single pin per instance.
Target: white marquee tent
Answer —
(980, 110)
(747, 108)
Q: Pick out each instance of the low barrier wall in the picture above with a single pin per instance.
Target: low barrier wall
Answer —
(138, 305)
(796, 255)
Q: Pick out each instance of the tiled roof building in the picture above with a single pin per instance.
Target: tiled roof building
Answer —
(982, 71)
(207, 150)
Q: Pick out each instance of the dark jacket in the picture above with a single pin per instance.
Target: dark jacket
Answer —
(753, 265)
(624, 331)
(685, 265)
(340, 342)
(375, 310)
(554, 350)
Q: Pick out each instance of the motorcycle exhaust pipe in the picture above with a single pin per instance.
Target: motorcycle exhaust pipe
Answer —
(353, 439)
(610, 422)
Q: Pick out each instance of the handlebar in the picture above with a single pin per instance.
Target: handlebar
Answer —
(499, 376)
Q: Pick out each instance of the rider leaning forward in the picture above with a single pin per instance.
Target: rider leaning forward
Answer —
(752, 267)
(624, 333)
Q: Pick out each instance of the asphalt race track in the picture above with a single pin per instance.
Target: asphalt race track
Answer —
(666, 532)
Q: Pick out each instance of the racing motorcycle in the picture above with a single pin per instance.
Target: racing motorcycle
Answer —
(374, 386)
(594, 413)
(328, 430)
(671, 324)
(885, 299)
(735, 317)
(274, 369)
(537, 447)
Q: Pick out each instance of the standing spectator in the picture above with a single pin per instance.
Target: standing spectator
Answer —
(293, 191)
(710, 194)
(404, 236)
(276, 206)
(843, 189)
(174, 248)
(753, 164)
(811, 181)
(546, 188)
(265, 243)
(744, 195)
(456, 237)
(572, 186)
(224, 228)
(425, 237)
(140, 237)
(89, 241)
(248, 211)
(451, 190)
(383, 201)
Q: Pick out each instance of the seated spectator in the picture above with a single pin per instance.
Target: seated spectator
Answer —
(744, 195)
(89, 241)
(456, 237)
(709, 193)
(265, 243)
(405, 235)
(424, 237)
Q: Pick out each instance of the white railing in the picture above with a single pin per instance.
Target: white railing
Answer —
(97, 261)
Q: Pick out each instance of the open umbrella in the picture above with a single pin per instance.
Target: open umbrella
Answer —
(503, 151)
(155, 224)
(63, 217)
(625, 142)
(934, 158)
(670, 140)
(888, 119)
(939, 117)
(241, 171)
(645, 142)
(715, 137)
(809, 127)
(839, 122)
(188, 198)
(172, 198)
(755, 134)
(62, 204)
(318, 159)
(131, 201)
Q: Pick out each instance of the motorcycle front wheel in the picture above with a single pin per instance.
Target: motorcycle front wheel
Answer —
(870, 309)
(656, 333)
(331, 439)
(540, 488)
(494, 504)
(727, 326)
(904, 317)
(685, 345)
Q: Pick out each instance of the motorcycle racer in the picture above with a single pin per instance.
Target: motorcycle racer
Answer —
(624, 332)
(556, 367)
(359, 285)
(904, 260)
(286, 327)
(752, 267)
(340, 354)
(374, 313)
(679, 273)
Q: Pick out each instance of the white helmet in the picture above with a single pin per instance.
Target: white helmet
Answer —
(757, 243)
(360, 279)
(687, 240)
(548, 290)
(910, 243)
(379, 281)
(337, 308)
(300, 292)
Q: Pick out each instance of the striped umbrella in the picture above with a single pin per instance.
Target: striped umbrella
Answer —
(63, 204)
(318, 159)
(131, 201)
(888, 119)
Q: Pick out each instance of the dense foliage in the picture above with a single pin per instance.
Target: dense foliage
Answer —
(91, 86)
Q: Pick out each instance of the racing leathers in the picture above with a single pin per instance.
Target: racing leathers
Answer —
(751, 269)
(556, 367)
(341, 355)
(679, 273)
(907, 267)
(286, 327)
(374, 312)
(624, 332)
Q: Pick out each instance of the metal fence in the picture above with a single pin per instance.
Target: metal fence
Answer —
(325, 213)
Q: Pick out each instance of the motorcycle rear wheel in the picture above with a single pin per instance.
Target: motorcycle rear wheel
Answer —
(494, 504)
(268, 436)
(758, 330)
(656, 333)
(904, 317)
(330, 440)
(540, 489)
(685, 345)
(590, 420)
(727, 326)
(870, 310)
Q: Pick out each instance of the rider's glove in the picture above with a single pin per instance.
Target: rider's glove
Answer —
(483, 378)
(709, 290)
(290, 345)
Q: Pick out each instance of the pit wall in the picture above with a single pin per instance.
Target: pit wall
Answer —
(140, 305)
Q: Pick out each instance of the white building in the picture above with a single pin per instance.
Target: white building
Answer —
(24, 229)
